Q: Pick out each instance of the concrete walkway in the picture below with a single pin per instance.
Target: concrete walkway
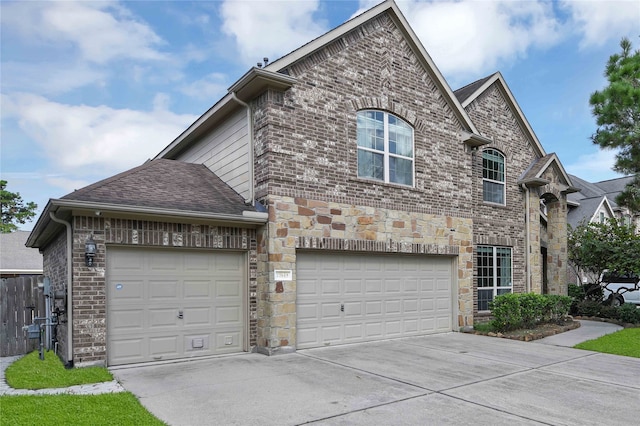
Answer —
(588, 330)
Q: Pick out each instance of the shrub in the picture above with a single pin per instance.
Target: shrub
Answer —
(589, 308)
(513, 311)
(576, 291)
(506, 312)
(557, 307)
(629, 313)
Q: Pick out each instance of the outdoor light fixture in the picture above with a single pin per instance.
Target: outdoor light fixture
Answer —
(90, 250)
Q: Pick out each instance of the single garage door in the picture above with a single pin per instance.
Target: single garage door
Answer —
(169, 304)
(357, 298)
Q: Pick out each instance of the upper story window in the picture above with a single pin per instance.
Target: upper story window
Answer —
(385, 148)
(493, 181)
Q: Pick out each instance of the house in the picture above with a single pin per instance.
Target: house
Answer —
(15, 258)
(342, 193)
(596, 202)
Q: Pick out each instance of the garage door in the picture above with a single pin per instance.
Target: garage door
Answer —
(169, 304)
(357, 298)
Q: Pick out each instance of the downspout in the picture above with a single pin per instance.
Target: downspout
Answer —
(527, 263)
(69, 288)
(251, 198)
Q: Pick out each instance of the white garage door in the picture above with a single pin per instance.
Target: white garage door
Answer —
(168, 304)
(356, 298)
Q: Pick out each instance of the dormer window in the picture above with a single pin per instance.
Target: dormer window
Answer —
(385, 148)
(493, 176)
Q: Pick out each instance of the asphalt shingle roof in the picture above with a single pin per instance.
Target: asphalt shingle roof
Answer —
(464, 92)
(15, 255)
(166, 184)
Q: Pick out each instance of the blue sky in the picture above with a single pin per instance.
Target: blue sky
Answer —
(93, 88)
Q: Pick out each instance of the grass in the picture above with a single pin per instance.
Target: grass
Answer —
(106, 409)
(624, 342)
(30, 372)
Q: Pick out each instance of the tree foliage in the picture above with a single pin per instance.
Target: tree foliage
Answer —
(617, 112)
(611, 245)
(14, 209)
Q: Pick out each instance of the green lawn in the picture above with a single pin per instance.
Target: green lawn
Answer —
(624, 342)
(30, 372)
(106, 409)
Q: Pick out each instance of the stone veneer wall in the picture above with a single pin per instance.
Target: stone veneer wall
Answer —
(339, 225)
(89, 291)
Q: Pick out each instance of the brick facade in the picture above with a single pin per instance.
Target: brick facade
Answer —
(89, 291)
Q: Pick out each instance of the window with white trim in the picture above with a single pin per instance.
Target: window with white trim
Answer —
(494, 274)
(493, 180)
(385, 148)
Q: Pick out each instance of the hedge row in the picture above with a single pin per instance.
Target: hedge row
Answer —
(512, 311)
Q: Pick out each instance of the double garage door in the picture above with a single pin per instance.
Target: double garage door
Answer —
(169, 304)
(357, 298)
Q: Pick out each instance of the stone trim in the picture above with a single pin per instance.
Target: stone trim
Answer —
(357, 201)
(390, 246)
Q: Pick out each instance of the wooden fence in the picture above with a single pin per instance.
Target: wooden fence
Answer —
(20, 301)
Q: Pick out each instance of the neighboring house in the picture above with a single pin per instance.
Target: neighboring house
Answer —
(16, 259)
(342, 193)
(595, 202)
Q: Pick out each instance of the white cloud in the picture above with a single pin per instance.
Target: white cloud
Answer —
(59, 77)
(88, 138)
(601, 21)
(100, 30)
(593, 167)
(270, 28)
(212, 86)
(465, 37)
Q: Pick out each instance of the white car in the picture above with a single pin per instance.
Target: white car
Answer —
(620, 289)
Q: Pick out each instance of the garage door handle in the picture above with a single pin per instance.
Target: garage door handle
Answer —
(180, 314)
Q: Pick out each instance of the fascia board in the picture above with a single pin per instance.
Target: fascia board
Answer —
(248, 218)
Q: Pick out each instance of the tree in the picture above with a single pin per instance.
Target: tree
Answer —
(14, 209)
(617, 112)
(597, 247)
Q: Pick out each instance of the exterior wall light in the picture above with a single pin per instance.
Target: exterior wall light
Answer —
(90, 250)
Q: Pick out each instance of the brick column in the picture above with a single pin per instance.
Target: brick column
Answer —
(534, 274)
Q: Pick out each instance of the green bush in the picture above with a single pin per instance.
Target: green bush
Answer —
(576, 291)
(589, 308)
(629, 313)
(557, 307)
(506, 312)
(526, 310)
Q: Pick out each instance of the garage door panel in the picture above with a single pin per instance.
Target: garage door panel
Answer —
(128, 291)
(128, 320)
(225, 289)
(162, 317)
(143, 321)
(383, 296)
(197, 289)
(163, 289)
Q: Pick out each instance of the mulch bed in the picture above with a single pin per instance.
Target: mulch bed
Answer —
(540, 331)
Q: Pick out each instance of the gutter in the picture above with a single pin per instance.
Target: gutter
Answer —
(69, 288)
(251, 196)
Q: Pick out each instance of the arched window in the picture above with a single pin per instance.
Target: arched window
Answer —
(493, 176)
(385, 148)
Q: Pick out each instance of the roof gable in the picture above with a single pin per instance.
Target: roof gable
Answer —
(535, 174)
(473, 91)
(389, 7)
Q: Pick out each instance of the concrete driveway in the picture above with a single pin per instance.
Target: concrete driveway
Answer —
(450, 378)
